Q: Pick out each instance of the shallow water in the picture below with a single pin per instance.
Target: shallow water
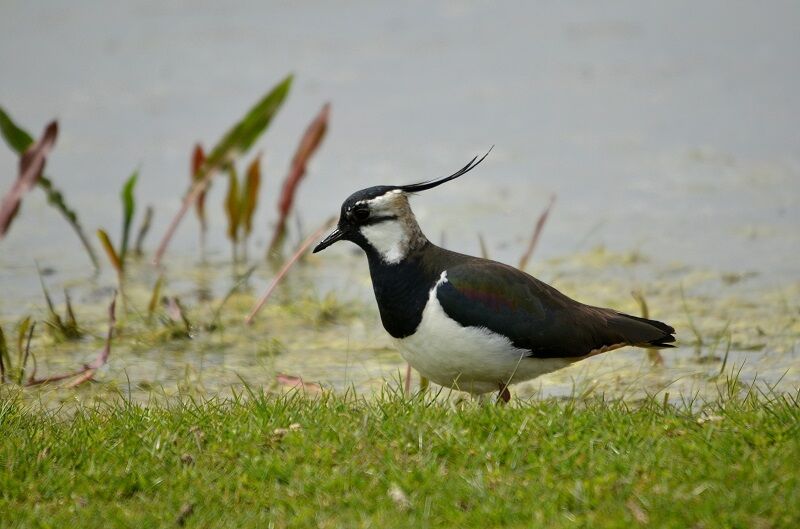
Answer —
(667, 131)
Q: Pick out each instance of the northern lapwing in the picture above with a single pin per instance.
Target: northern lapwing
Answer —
(469, 323)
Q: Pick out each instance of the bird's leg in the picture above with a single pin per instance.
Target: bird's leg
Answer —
(407, 381)
(503, 395)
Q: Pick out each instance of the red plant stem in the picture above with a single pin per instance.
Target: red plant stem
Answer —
(197, 189)
(31, 165)
(303, 248)
(523, 262)
(311, 140)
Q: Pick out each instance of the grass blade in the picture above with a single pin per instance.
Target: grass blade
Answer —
(236, 141)
(128, 209)
(31, 164)
(311, 140)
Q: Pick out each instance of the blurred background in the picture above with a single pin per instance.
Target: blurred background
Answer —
(666, 129)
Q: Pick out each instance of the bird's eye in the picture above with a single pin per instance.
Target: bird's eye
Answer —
(361, 214)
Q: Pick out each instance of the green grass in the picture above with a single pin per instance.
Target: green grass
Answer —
(340, 461)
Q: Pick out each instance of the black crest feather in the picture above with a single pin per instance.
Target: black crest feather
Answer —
(428, 184)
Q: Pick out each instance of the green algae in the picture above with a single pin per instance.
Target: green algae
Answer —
(332, 335)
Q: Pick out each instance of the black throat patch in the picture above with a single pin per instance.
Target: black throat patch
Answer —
(401, 291)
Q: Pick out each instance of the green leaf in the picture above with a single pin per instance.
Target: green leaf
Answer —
(128, 208)
(105, 241)
(17, 139)
(242, 136)
(232, 205)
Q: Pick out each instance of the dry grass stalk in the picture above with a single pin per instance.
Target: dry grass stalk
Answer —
(523, 262)
(303, 248)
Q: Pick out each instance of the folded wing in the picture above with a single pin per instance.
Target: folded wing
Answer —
(539, 318)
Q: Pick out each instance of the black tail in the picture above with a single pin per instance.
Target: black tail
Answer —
(642, 332)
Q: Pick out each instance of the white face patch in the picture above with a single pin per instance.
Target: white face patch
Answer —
(389, 237)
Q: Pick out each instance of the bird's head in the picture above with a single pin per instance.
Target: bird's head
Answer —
(379, 219)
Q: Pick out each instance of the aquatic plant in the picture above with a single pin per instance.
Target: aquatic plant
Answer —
(309, 143)
(108, 246)
(20, 141)
(31, 165)
(233, 144)
(198, 159)
(144, 229)
(240, 205)
(117, 257)
(87, 371)
(66, 328)
(537, 231)
(287, 265)
(654, 355)
(155, 296)
(177, 320)
(128, 210)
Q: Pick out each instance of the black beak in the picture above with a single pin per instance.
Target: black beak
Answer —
(334, 236)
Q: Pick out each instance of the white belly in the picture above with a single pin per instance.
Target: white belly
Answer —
(472, 359)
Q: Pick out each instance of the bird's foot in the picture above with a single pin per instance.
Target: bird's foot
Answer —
(503, 395)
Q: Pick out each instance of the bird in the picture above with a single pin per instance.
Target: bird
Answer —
(469, 323)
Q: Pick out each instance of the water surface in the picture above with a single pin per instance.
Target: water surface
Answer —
(668, 132)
